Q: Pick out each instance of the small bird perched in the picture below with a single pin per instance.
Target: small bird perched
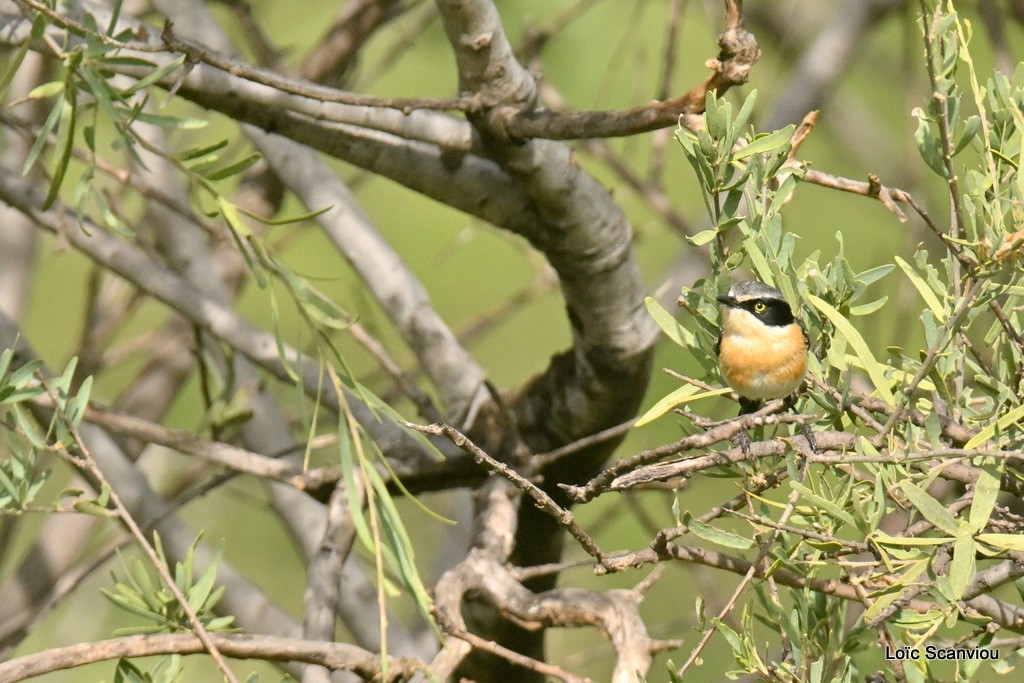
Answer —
(762, 348)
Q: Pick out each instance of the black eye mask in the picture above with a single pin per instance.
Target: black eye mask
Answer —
(774, 312)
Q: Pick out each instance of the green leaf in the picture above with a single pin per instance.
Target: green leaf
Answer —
(10, 486)
(44, 134)
(168, 121)
(716, 535)
(668, 324)
(193, 153)
(25, 373)
(758, 259)
(702, 237)
(927, 145)
(235, 222)
(157, 75)
(729, 634)
(766, 143)
(127, 672)
(875, 370)
(29, 429)
(825, 504)
(923, 289)
(235, 168)
(961, 568)
(867, 309)
(14, 63)
(65, 144)
(314, 303)
(998, 426)
(746, 109)
(986, 490)
(681, 395)
(970, 128)
(286, 220)
(875, 274)
(1003, 541)
(279, 344)
(199, 592)
(892, 593)
(931, 509)
(353, 485)
(46, 90)
(75, 408)
(5, 364)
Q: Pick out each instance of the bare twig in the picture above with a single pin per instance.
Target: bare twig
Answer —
(564, 517)
(514, 657)
(738, 53)
(721, 432)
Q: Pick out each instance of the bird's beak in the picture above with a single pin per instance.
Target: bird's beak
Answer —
(728, 301)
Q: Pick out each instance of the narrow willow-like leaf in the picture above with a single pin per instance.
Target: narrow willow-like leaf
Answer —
(893, 592)
(684, 394)
(44, 134)
(235, 168)
(14, 63)
(287, 220)
(169, 121)
(931, 509)
(668, 324)
(194, 153)
(869, 308)
(718, 536)
(986, 491)
(875, 369)
(923, 289)
(961, 568)
(155, 76)
(1003, 541)
(65, 145)
(825, 504)
(998, 426)
(766, 143)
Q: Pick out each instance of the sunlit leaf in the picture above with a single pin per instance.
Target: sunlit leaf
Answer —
(668, 324)
(875, 369)
(766, 143)
(679, 396)
(1003, 541)
(999, 426)
(923, 289)
(46, 90)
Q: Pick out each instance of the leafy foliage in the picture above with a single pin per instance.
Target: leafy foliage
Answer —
(143, 594)
(969, 374)
(89, 99)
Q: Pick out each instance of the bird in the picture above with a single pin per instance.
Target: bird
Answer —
(762, 348)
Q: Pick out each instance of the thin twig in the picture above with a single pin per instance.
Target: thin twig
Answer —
(86, 461)
(516, 658)
(544, 501)
(765, 548)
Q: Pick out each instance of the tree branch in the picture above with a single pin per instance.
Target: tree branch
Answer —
(239, 646)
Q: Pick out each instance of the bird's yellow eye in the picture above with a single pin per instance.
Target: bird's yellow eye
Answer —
(759, 307)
